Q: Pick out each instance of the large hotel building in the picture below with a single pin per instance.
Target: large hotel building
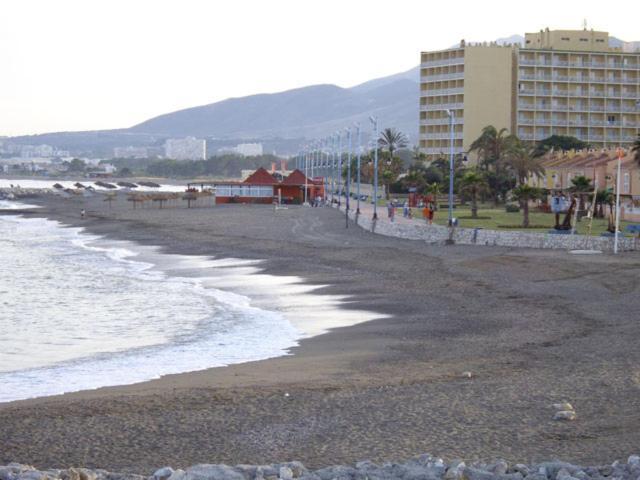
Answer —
(564, 82)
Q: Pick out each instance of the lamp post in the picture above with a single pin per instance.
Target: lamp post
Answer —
(339, 169)
(306, 170)
(358, 167)
(452, 116)
(374, 122)
(615, 235)
(333, 167)
(346, 210)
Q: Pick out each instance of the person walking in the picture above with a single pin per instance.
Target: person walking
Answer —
(405, 209)
(426, 212)
(390, 211)
(432, 212)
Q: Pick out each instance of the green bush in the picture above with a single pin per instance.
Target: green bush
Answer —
(512, 208)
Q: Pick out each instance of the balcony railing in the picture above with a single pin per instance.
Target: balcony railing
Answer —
(441, 106)
(584, 64)
(445, 61)
(442, 76)
(441, 136)
(441, 91)
(441, 121)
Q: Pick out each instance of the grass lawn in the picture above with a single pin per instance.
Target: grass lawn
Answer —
(499, 217)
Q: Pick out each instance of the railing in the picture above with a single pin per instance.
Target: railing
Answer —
(440, 106)
(443, 150)
(442, 136)
(446, 61)
(441, 91)
(441, 121)
(442, 76)
(585, 64)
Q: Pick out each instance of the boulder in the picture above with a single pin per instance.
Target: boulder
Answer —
(634, 460)
(212, 472)
(338, 472)
(567, 415)
(163, 473)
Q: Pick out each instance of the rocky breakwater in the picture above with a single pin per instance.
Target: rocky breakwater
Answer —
(424, 467)
(17, 193)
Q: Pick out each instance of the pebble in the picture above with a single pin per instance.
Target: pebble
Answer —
(565, 415)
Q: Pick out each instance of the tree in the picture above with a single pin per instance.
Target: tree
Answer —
(558, 142)
(76, 165)
(473, 182)
(581, 185)
(417, 156)
(521, 160)
(124, 172)
(392, 140)
(492, 147)
(636, 149)
(524, 194)
(388, 170)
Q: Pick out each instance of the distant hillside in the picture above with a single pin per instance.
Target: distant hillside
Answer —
(304, 112)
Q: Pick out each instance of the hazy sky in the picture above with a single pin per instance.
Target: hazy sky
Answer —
(93, 64)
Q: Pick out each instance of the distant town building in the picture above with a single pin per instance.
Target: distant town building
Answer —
(562, 82)
(189, 148)
(245, 149)
(130, 152)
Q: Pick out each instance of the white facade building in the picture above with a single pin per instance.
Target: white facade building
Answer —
(189, 148)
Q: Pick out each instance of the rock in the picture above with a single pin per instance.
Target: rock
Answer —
(454, 472)
(567, 415)
(634, 460)
(563, 406)
(499, 468)
(163, 473)
(285, 473)
(470, 473)
(466, 375)
(212, 472)
(177, 475)
(297, 468)
(536, 476)
(338, 472)
(522, 469)
(31, 475)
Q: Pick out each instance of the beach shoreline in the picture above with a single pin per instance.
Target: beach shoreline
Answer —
(531, 327)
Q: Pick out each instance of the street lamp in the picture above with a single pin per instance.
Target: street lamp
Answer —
(339, 169)
(358, 167)
(374, 123)
(346, 210)
(333, 167)
(452, 117)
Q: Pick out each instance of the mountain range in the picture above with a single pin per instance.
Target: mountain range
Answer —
(281, 121)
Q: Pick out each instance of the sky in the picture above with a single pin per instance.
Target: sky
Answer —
(69, 65)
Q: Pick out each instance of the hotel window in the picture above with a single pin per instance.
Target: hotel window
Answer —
(584, 39)
(626, 183)
(566, 39)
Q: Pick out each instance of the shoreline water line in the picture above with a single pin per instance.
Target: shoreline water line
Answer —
(231, 313)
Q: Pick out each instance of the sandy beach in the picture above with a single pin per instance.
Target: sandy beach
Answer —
(533, 328)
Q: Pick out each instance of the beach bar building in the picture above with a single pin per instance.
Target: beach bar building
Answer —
(292, 188)
(262, 187)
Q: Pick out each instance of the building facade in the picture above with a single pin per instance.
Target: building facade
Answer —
(563, 82)
(189, 148)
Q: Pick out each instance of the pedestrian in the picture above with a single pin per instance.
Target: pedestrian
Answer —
(426, 212)
(390, 210)
(432, 212)
(82, 213)
(405, 209)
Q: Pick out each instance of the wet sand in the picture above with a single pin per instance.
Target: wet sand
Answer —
(533, 327)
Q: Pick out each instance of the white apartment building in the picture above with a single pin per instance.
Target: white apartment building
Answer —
(188, 148)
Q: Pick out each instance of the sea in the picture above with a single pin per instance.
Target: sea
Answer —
(79, 311)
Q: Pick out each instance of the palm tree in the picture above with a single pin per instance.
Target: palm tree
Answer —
(525, 193)
(392, 140)
(636, 149)
(417, 156)
(473, 182)
(581, 186)
(520, 158)
(491, 146)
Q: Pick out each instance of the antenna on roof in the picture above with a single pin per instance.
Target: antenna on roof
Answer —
(584, 23)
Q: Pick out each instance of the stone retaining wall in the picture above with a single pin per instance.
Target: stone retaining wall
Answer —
(502, 238)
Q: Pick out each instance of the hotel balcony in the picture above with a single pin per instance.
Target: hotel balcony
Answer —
(430, 107)
(441, 92)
